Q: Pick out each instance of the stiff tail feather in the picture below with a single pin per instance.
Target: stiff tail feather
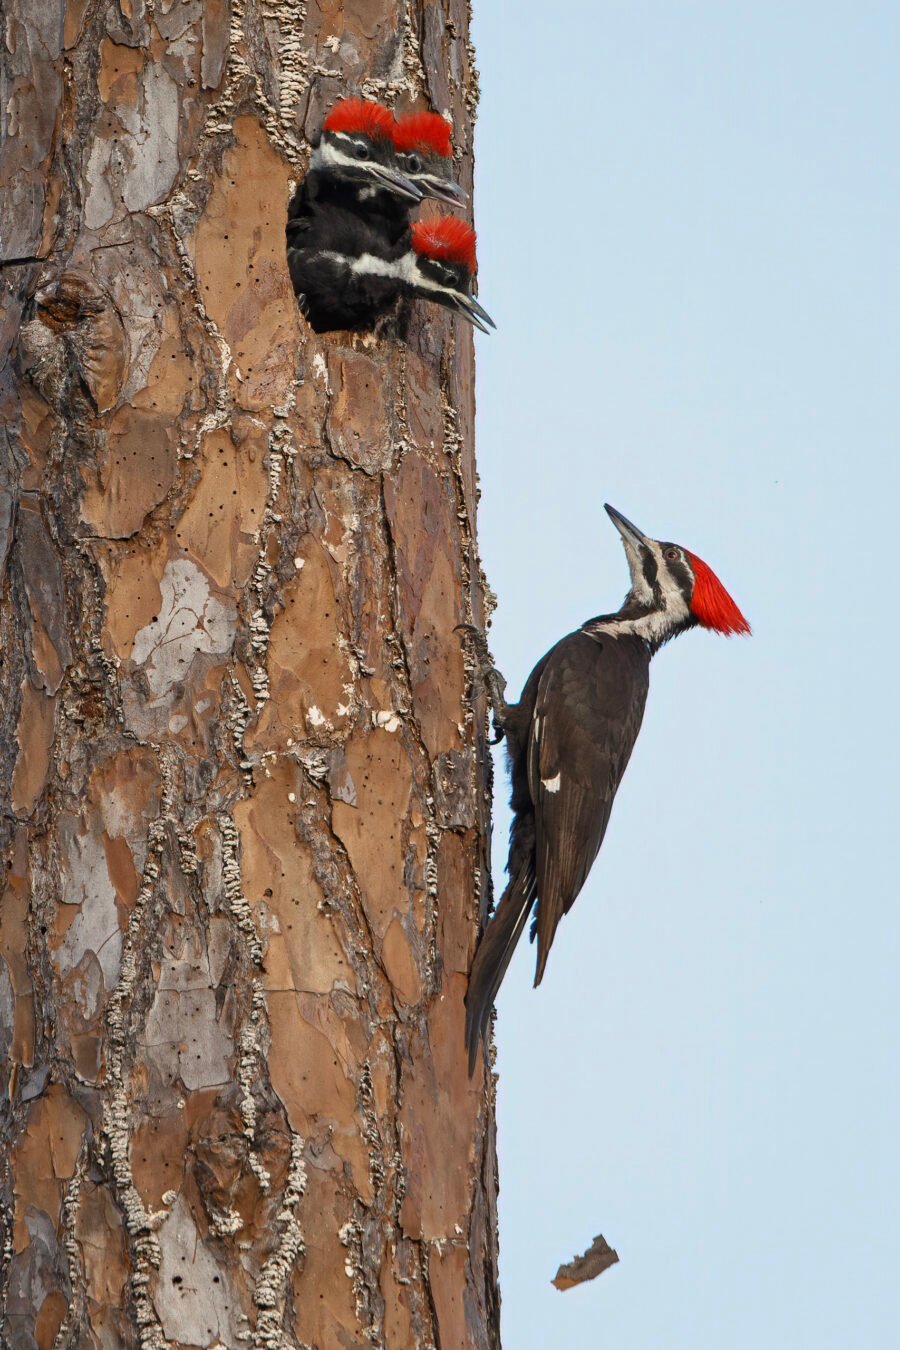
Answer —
(498, 942)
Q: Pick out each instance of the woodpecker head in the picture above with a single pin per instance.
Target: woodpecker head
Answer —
(442, 267)
(671, 590)
(357, 148)
(424, 154)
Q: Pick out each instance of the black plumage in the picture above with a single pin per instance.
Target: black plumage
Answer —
(353, 202)
(573, 728)
(325, 192)
(346, 273)
(570, 738)
(324, 249)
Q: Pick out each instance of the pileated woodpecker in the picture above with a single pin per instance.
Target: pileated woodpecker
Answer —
(425, 155)
(353, 200)
(354, 167)
(569, 740)
(346, 274)
(349, 245)
(442, 267)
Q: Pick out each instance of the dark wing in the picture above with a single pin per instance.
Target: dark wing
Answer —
(587, 715)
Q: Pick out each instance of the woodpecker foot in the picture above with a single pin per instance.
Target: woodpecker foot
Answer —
(490, 677)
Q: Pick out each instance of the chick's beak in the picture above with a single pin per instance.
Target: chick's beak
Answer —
(442, 189)
(468, 308)
(394, 182)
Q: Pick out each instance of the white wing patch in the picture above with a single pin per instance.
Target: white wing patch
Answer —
(551, 784)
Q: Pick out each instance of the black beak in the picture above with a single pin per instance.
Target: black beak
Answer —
(394, 182)
(630, 533)
(442, 189)
(468, 308)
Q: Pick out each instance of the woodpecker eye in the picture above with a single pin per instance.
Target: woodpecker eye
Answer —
(361, 150)
(413, 163)
(672, 554)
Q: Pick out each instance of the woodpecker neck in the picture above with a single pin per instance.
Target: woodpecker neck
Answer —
(653, 627)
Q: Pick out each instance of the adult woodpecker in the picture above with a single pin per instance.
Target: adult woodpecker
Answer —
(425, 155)
(346, 274)
(569, 740)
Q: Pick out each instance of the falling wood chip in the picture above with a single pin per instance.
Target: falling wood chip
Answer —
(598, 1257)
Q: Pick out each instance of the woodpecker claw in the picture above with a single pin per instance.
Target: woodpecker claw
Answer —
(490, 677)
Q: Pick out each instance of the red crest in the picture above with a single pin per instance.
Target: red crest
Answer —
(711, 604)
(446, 238)
(424, 131)
(360, 116)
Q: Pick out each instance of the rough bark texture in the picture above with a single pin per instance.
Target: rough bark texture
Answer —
(243, 800)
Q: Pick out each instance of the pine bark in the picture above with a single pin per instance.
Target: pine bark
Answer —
(243, 786)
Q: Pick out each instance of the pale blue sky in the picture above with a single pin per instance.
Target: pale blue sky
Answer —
(689, 221)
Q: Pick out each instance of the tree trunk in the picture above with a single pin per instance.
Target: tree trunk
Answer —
(244, 791)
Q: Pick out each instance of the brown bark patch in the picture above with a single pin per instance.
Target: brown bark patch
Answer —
(35, 738)
(420, 508)
(372, 831)
(241, 268)
(431, 1129)
(309, 674)
(302, 950)
(220, 523)
(45, 1156)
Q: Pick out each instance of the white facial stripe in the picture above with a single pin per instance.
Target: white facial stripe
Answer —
(332, 153)
(640, 588)
(671, 609)
(425, 283)
(672, 596)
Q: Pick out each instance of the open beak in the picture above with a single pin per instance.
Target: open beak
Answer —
(469, 309)
(630, 533)
(394, 182)
(442, 189)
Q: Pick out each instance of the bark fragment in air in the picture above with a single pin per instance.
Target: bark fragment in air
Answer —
(598, 1257)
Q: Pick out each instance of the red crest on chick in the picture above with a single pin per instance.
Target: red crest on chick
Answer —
(424, 131)
(446, 238)
(711, 604)
(362, 116)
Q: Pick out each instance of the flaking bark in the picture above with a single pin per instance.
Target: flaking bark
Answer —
(243, 788)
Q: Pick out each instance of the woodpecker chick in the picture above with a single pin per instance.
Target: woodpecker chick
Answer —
(569, 740)
(354, 163)
(424, 154)
(442, 267)
(353, 181)
(345, 272)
